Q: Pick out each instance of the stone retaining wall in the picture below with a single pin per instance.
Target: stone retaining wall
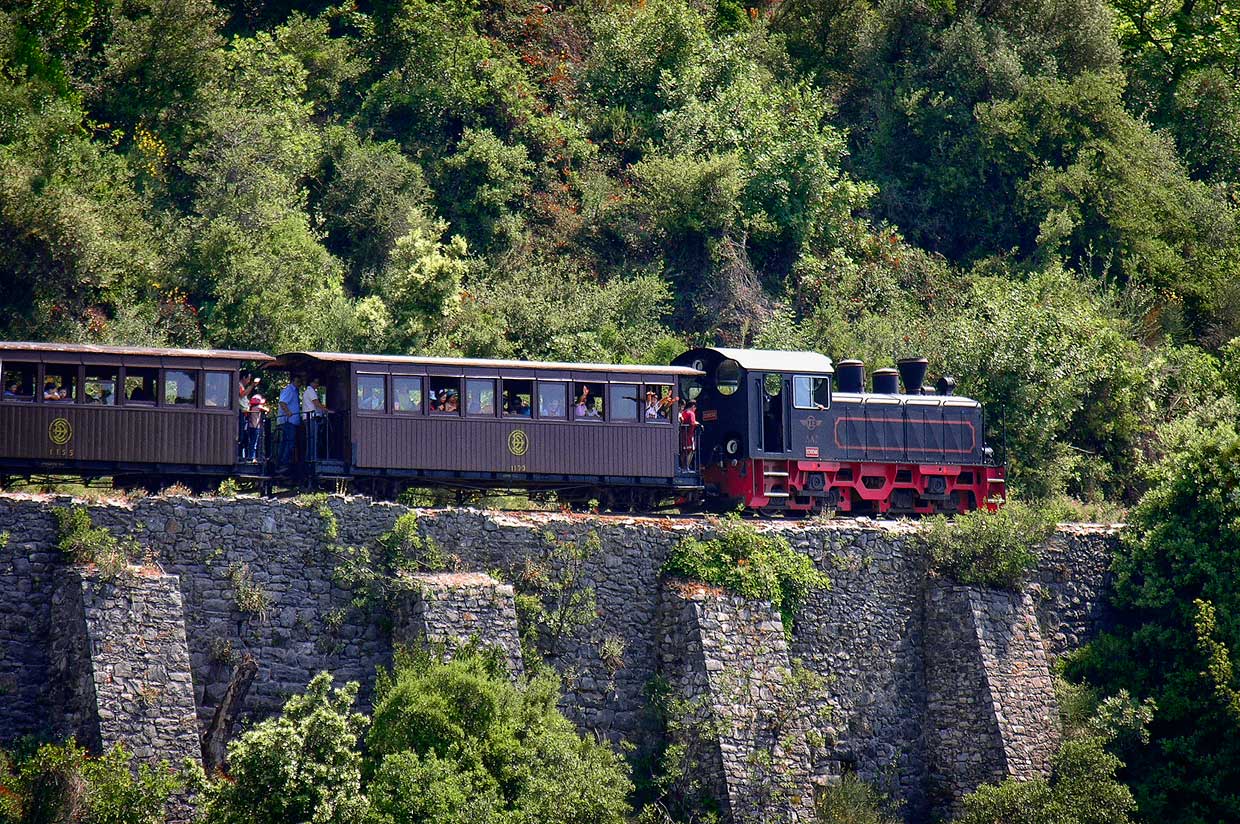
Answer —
(268, 578)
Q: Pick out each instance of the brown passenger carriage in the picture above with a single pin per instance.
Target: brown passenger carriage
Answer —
(514, 424)
(126, 412)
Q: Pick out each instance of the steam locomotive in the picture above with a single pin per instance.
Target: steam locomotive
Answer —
(768, 431)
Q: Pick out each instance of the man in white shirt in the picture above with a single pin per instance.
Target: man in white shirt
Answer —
(314, 411)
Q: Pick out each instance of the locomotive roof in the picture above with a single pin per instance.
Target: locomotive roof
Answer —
(129, 351)
(290, 359)
(772, 360)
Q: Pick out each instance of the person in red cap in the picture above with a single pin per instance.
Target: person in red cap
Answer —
(253, 428)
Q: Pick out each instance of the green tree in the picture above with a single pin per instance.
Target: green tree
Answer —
(1177, 625)
(304, 765)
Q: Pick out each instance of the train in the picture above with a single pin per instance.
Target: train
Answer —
(786, 433)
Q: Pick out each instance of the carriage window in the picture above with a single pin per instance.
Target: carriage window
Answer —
(444, 396)
(101, 383)
(480, 397)
(180, 387)
(140, 385)
(216, 389)
(552, 399)
(728, 377)
(518, 398)
(406, 394)
(658, 404)
(18, 381)
(622, 398)
(810, 392)
(371, 393)
(59, 383)
(588, 402)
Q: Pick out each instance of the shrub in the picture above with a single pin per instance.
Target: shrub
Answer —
(463, 729)
(303, 766)
(993, 549)
(749, 563)
(85, 543)
(852, 801)
(64, 783)
(249, 596)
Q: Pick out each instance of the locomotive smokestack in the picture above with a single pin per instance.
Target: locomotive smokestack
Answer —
(912, 373)
(850, 376)
(886, 381)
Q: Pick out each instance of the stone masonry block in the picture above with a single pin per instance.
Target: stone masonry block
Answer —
(454, 609)
(121, 667)
(728, 658)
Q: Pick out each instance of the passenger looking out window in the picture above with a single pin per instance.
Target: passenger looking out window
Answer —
(18, 381)
(140, 385)
(445, 396)
(552, 399)
(589, 402)
(59, 384)
(101, 384)
(659, 403)
(517, 398)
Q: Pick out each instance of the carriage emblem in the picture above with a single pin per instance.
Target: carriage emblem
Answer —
(60, 431)
(518, 442)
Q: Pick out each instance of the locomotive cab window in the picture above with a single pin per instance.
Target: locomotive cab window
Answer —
(480, 397)
(624, 402)
(811, 392)
(18, 381)
(588, 401)
(180, 387)
(60, 383)
(406, 394)
(140, 385)
(690, 388)
(657, 407)
(101, 383)
(552, 400)
(216, 389)
(445, 396)
(518, 398)
(371, 393)
(727, 377)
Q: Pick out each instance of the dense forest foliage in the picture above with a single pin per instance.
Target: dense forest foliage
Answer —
(1040, 196)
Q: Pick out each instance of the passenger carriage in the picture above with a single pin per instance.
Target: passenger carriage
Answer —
(474, 424)
(130, 413)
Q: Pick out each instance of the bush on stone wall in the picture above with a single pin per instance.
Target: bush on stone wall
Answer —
(749, 563)
(993, 549)
(85, 543)
(64, 783)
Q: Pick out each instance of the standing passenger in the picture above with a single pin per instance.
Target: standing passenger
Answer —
(315, 413)
(253, 428)
(688, 431)
(289, 419)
